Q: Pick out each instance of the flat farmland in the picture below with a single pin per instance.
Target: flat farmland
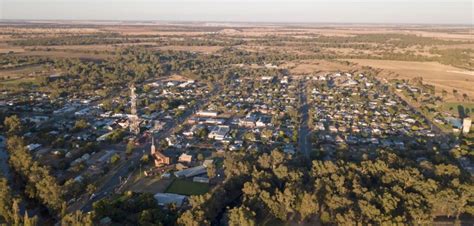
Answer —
(6, 48)
(433, 73)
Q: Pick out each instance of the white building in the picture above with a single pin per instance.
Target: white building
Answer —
(219, 132)
(466, 125)
(267, 78)
(207, 113)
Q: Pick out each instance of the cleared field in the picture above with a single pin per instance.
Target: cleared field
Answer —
(26, 74)
(150, 30)
(5, 48)
(441, 76)
(150, 185)
(14, 82)
(185, 187)
(314, 66)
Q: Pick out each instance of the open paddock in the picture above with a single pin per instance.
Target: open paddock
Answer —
(433, 73)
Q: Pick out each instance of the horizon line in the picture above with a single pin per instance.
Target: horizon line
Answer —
(232, 22)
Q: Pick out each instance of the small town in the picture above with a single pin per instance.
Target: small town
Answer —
(175, 133)
(225, 113)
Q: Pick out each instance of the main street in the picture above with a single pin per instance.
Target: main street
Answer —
(304, 132)
(115, 178)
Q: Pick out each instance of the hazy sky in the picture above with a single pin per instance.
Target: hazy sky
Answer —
(338, 11)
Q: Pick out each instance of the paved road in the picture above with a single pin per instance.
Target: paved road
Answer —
(114, 180)
(303, 143)
(124, 170)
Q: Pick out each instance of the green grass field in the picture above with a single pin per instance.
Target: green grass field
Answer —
(455, 107)
(186, 187)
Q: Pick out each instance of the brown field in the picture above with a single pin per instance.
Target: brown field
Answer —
(348, 31)
(149, 30)
(5, 48)
(308, 67)
(49, 31)
(80, 48)
(200, 49)
(441, 76)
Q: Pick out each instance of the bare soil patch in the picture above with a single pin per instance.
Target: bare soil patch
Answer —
(151, 185)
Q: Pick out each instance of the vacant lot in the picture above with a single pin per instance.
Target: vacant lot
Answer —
(314, 66)
(151, 185)
(185, 187)
(441, 76)
(9, 78)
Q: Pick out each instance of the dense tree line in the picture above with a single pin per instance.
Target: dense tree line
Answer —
(39, 184)
(134, 209)
(36, 182)
(10, 207)
(456, 57)
(396, 40)
(138, 64)
(9, 61)
(383, 190)
(99, 38)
